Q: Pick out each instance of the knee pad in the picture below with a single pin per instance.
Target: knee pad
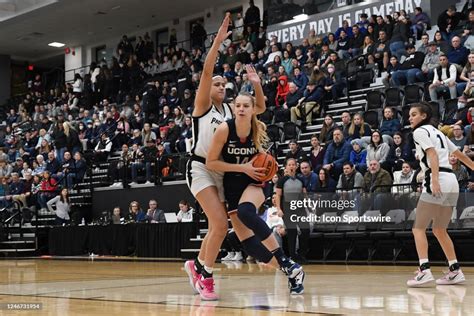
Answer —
(247, 213)
(254, 247)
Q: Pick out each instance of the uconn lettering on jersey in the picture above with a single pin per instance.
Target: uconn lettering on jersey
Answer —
(241, 151)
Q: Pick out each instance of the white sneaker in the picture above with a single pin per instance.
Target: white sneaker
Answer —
(133, 183)
(422, 279)
(451, 278)
(148, 182)
(229, 257)
(238, 256)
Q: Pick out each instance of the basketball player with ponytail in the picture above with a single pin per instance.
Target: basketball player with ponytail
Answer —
(206, 185)
(439, 195)
(238, 141)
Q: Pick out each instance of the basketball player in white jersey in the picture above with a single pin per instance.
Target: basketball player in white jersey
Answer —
(207, 187)
(439, 195)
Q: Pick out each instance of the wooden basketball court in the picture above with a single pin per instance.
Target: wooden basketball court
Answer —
(98, 287)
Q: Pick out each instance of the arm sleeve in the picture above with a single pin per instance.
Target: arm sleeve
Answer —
(452, 74)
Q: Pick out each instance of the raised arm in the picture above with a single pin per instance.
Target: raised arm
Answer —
(257, 85)
(203, 95)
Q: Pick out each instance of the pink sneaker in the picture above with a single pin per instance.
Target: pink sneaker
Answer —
(192, 274)
(205, 287)
(421, 279)
(451, 278)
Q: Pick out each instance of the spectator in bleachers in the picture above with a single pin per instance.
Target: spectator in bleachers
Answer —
(431, 61)
(382, 50)
(252, 16)
(458, 138)
(62, 207)
(424, 46)
(323, 59)
(350, 183)
(344, 28)
(332, 42)
(343, 45)
(76, 170)
(118, 168)
(420, 22)
(186, 212)
(358, 128)
(462, 175)
(325, 183)
(172, 137)
(468, 31)
(381, 26)
(358, 156)
(186, 135)
(334, 85)
(448, 22)
(282, 91)
(410, 69)
(136, 214)
(457, 53)
(327, 129)
(308, 177)
(316, 154)
(271, 57)
(400, 152)
(444, 80)
(77, 85)
(390, 125)
(287, 62)
(300, 78)
(378, 150)
(309, 103)
(357, 41)
(149, 153)
(154, 214)
(368, 47)
(465, 76)
(454, 116)
(39, 165)
(390, 23)
(377, 182)
(393, 67)
(336, 154)
(403, 176)
(296, 152)
(345, 123)
(48, 189)
(443, 45)
(371, 33)
(103, 148)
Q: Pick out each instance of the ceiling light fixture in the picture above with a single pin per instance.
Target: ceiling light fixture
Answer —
(56, 44)
(301, 17)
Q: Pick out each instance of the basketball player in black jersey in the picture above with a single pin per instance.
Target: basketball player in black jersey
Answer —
(238, 140)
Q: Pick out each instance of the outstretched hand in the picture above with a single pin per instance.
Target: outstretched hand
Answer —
(252, 74)
(223, 34)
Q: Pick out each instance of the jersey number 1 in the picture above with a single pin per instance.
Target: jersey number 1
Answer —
(441, 141)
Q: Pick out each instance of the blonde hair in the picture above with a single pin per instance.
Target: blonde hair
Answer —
(362, 125)
(259, 129)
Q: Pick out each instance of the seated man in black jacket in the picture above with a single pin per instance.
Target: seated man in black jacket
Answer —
(150, 153)
(76, 170)
(410, 70)
(172, 137)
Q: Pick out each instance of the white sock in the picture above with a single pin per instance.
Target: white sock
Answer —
(201, 261)
(208, 269)
(451, 262)
(423, 261)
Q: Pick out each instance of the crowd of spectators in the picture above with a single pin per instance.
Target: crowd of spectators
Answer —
(140, 104)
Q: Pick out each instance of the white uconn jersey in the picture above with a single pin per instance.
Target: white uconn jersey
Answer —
(204, 127)
(427, 136)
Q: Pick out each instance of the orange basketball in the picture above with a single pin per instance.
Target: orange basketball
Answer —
(267, 161)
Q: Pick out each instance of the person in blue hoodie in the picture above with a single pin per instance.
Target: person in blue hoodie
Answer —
(390, 125)
(358, 155)
(336, 154)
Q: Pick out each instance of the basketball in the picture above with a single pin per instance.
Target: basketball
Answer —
(267, 161)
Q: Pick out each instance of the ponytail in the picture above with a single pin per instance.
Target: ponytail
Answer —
(259, 129)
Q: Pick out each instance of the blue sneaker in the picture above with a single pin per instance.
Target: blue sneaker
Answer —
(296, 284)
(291, 268)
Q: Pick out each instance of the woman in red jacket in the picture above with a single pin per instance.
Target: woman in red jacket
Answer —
(282, 91)
(48, 189)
